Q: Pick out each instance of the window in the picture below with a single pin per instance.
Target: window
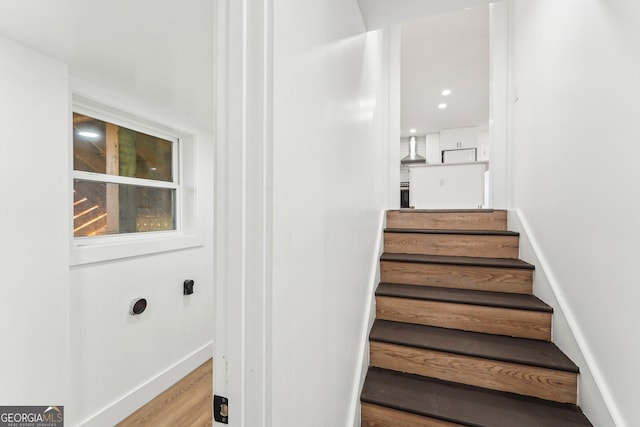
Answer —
(125, 180)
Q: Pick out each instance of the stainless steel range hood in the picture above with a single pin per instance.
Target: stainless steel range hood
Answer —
(413, 156)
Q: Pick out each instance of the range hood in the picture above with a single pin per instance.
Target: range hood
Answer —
(413, 157)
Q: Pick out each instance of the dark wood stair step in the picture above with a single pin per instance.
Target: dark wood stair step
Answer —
(463, 404)
(457, 260)
(456, 232)
(508, 349)
(444, 211)
(464, 296)
(426, 306)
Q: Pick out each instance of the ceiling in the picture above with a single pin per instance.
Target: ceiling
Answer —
(159, 52)
(445, 45)
(383, 13)
(449, 51)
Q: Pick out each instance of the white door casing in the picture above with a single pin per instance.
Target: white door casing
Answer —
(243, 208)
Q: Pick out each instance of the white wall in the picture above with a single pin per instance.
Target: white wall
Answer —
(159, 50)
(119, 362)
(447, 186)
(34, 118)
(329, 164)
(69, 339)
(113, 353)
(434, 155)
(575, 175)
(498, 105)
(381, 13)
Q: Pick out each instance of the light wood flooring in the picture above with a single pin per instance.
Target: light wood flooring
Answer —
(187, 403)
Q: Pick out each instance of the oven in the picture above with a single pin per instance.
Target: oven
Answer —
(404, 194)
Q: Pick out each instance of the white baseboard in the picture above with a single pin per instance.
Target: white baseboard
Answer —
(368, 317)
(123, 407)
(594, 396)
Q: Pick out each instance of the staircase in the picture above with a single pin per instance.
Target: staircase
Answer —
(459, 339)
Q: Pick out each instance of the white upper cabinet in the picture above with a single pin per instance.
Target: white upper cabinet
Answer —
(459, 138)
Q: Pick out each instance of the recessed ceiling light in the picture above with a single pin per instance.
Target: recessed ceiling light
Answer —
(442, 106)
(446, 92)
(88, 134)
(412, 131)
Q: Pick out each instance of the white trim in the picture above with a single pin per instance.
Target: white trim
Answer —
(91, 100)
(109, 114)
(81, 255)
(368, 317)
(132, 401)
(125, 180)
(499, 106)
(96, 101)
(393, 42)
(243, 223)
(563, 311)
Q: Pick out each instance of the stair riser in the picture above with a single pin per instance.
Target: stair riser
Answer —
(452, 245)
(532, 381)
(496, 220)
(379, 416)
(492, 320)
(458, 276)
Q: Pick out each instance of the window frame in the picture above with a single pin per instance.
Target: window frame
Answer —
(89, 249)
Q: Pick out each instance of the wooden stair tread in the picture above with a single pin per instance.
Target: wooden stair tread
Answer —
(464, 296)
(463, 404)
(456, 260)
(412, 210)
(447, 231)
(496, 347)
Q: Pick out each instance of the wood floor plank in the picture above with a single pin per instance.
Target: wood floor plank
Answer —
(186, 403)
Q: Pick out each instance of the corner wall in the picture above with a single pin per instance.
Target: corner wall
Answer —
(330, 168)
(67, 336)
(119, 362)
(574, 174)
(34, 120)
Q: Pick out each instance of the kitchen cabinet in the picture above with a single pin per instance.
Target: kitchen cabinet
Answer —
(448, 186)
(459, 138)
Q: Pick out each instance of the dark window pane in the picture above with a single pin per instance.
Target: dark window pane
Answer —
(104, 208)
(103, 147)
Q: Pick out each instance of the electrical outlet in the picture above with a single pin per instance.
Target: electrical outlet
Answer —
(187, 287)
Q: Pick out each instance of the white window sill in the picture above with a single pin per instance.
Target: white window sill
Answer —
(113, 250)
